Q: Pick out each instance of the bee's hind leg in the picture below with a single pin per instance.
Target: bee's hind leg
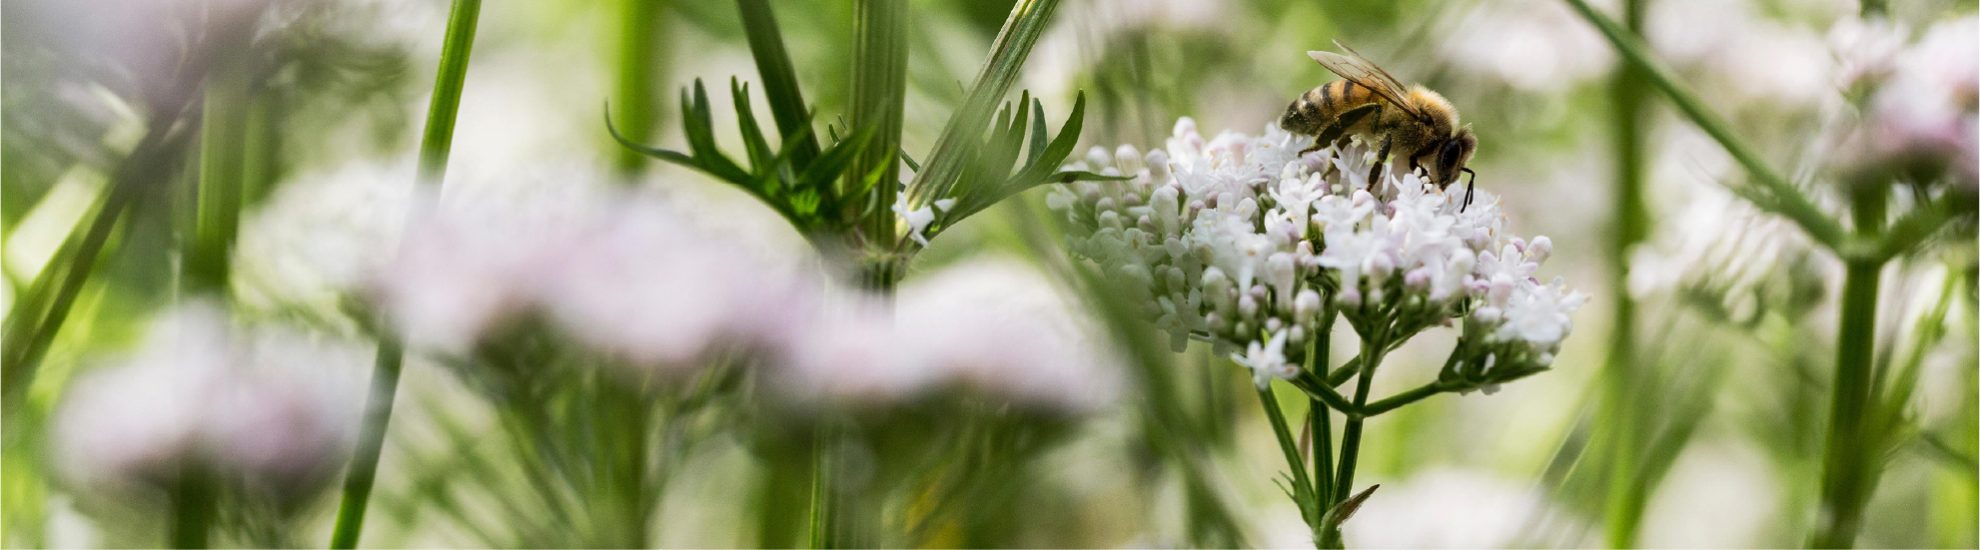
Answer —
(1335, 133)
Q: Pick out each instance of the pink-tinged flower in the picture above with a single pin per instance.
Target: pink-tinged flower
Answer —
(992, 328)
(263, 409)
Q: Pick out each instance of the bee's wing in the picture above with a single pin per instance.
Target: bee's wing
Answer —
(1364, 73)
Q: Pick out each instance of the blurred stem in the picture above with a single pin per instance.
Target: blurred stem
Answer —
(1848, 467)
(1620, 370)
(637, 60)
(434, 147)
(1874, 8)
(223, 153)
(37, 317)
(822, 522)
(192, 509)
(1373, 347)
(1775, 193)
(879, 93)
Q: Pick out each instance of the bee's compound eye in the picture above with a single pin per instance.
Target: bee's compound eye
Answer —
(1449, 156)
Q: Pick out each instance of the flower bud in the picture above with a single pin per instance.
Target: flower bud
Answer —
(1348, 298)
(1307, 304)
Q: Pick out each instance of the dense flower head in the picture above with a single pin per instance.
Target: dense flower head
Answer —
(1242, 241)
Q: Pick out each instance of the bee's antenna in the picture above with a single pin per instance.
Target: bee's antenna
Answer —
(1467, 187)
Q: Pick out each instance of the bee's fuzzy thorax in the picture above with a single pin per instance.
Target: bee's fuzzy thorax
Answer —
(1430, 101)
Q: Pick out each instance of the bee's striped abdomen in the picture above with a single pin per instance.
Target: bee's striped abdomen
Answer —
(1318, 107)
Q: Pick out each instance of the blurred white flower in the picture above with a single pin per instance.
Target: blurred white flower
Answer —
(1927, 108)
(1749, 54)
(320, 235)
(651, 287)
(271, 409)
(624, 274)
(1237, 241)
(990, 326)
(1532, 45)
(1447, 508)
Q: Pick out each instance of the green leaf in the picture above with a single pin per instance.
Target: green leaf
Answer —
(780, 84)
(1000, 70)
(1055, 153)
(699, 126)
(760, 159)
(668, 155)
(1037, 133)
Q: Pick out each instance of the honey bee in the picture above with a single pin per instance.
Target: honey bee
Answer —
(1369, 102)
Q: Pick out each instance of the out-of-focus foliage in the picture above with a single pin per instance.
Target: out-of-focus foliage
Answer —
(564, 416)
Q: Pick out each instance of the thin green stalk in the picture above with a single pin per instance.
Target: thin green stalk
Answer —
(435, 145)
(1396, 401)
(193, 508)
(822, 528)
(1302, 486)
(1620, 369)
(38, 317)
(222, 165)
(1874, 8)
(1847, 467)
(879, 94)
(1775, 192)
(636, 59)
(1373, 347)
(1321, 419)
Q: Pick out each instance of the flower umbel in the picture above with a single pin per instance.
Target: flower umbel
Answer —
(1238, 241)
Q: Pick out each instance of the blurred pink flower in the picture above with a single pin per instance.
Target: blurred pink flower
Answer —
(269, 408)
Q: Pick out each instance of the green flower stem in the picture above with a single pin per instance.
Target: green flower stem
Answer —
(1320, 418)
(223, 152)
(1373, 348)
(38, 316)
(1320, 390)
(822, 527)
(1874, 8)
(1393, 402)
(193, 508)
(1620, 371)
(879, 95)
(1309, 503)
(636, 59)
(1775, 192)
(435, 146)
(1848, 467)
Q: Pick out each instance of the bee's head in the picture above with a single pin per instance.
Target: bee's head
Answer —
(1448, 157)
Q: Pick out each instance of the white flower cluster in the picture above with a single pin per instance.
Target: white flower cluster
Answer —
(1239, 240)
(639, 281)
(268, 410)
